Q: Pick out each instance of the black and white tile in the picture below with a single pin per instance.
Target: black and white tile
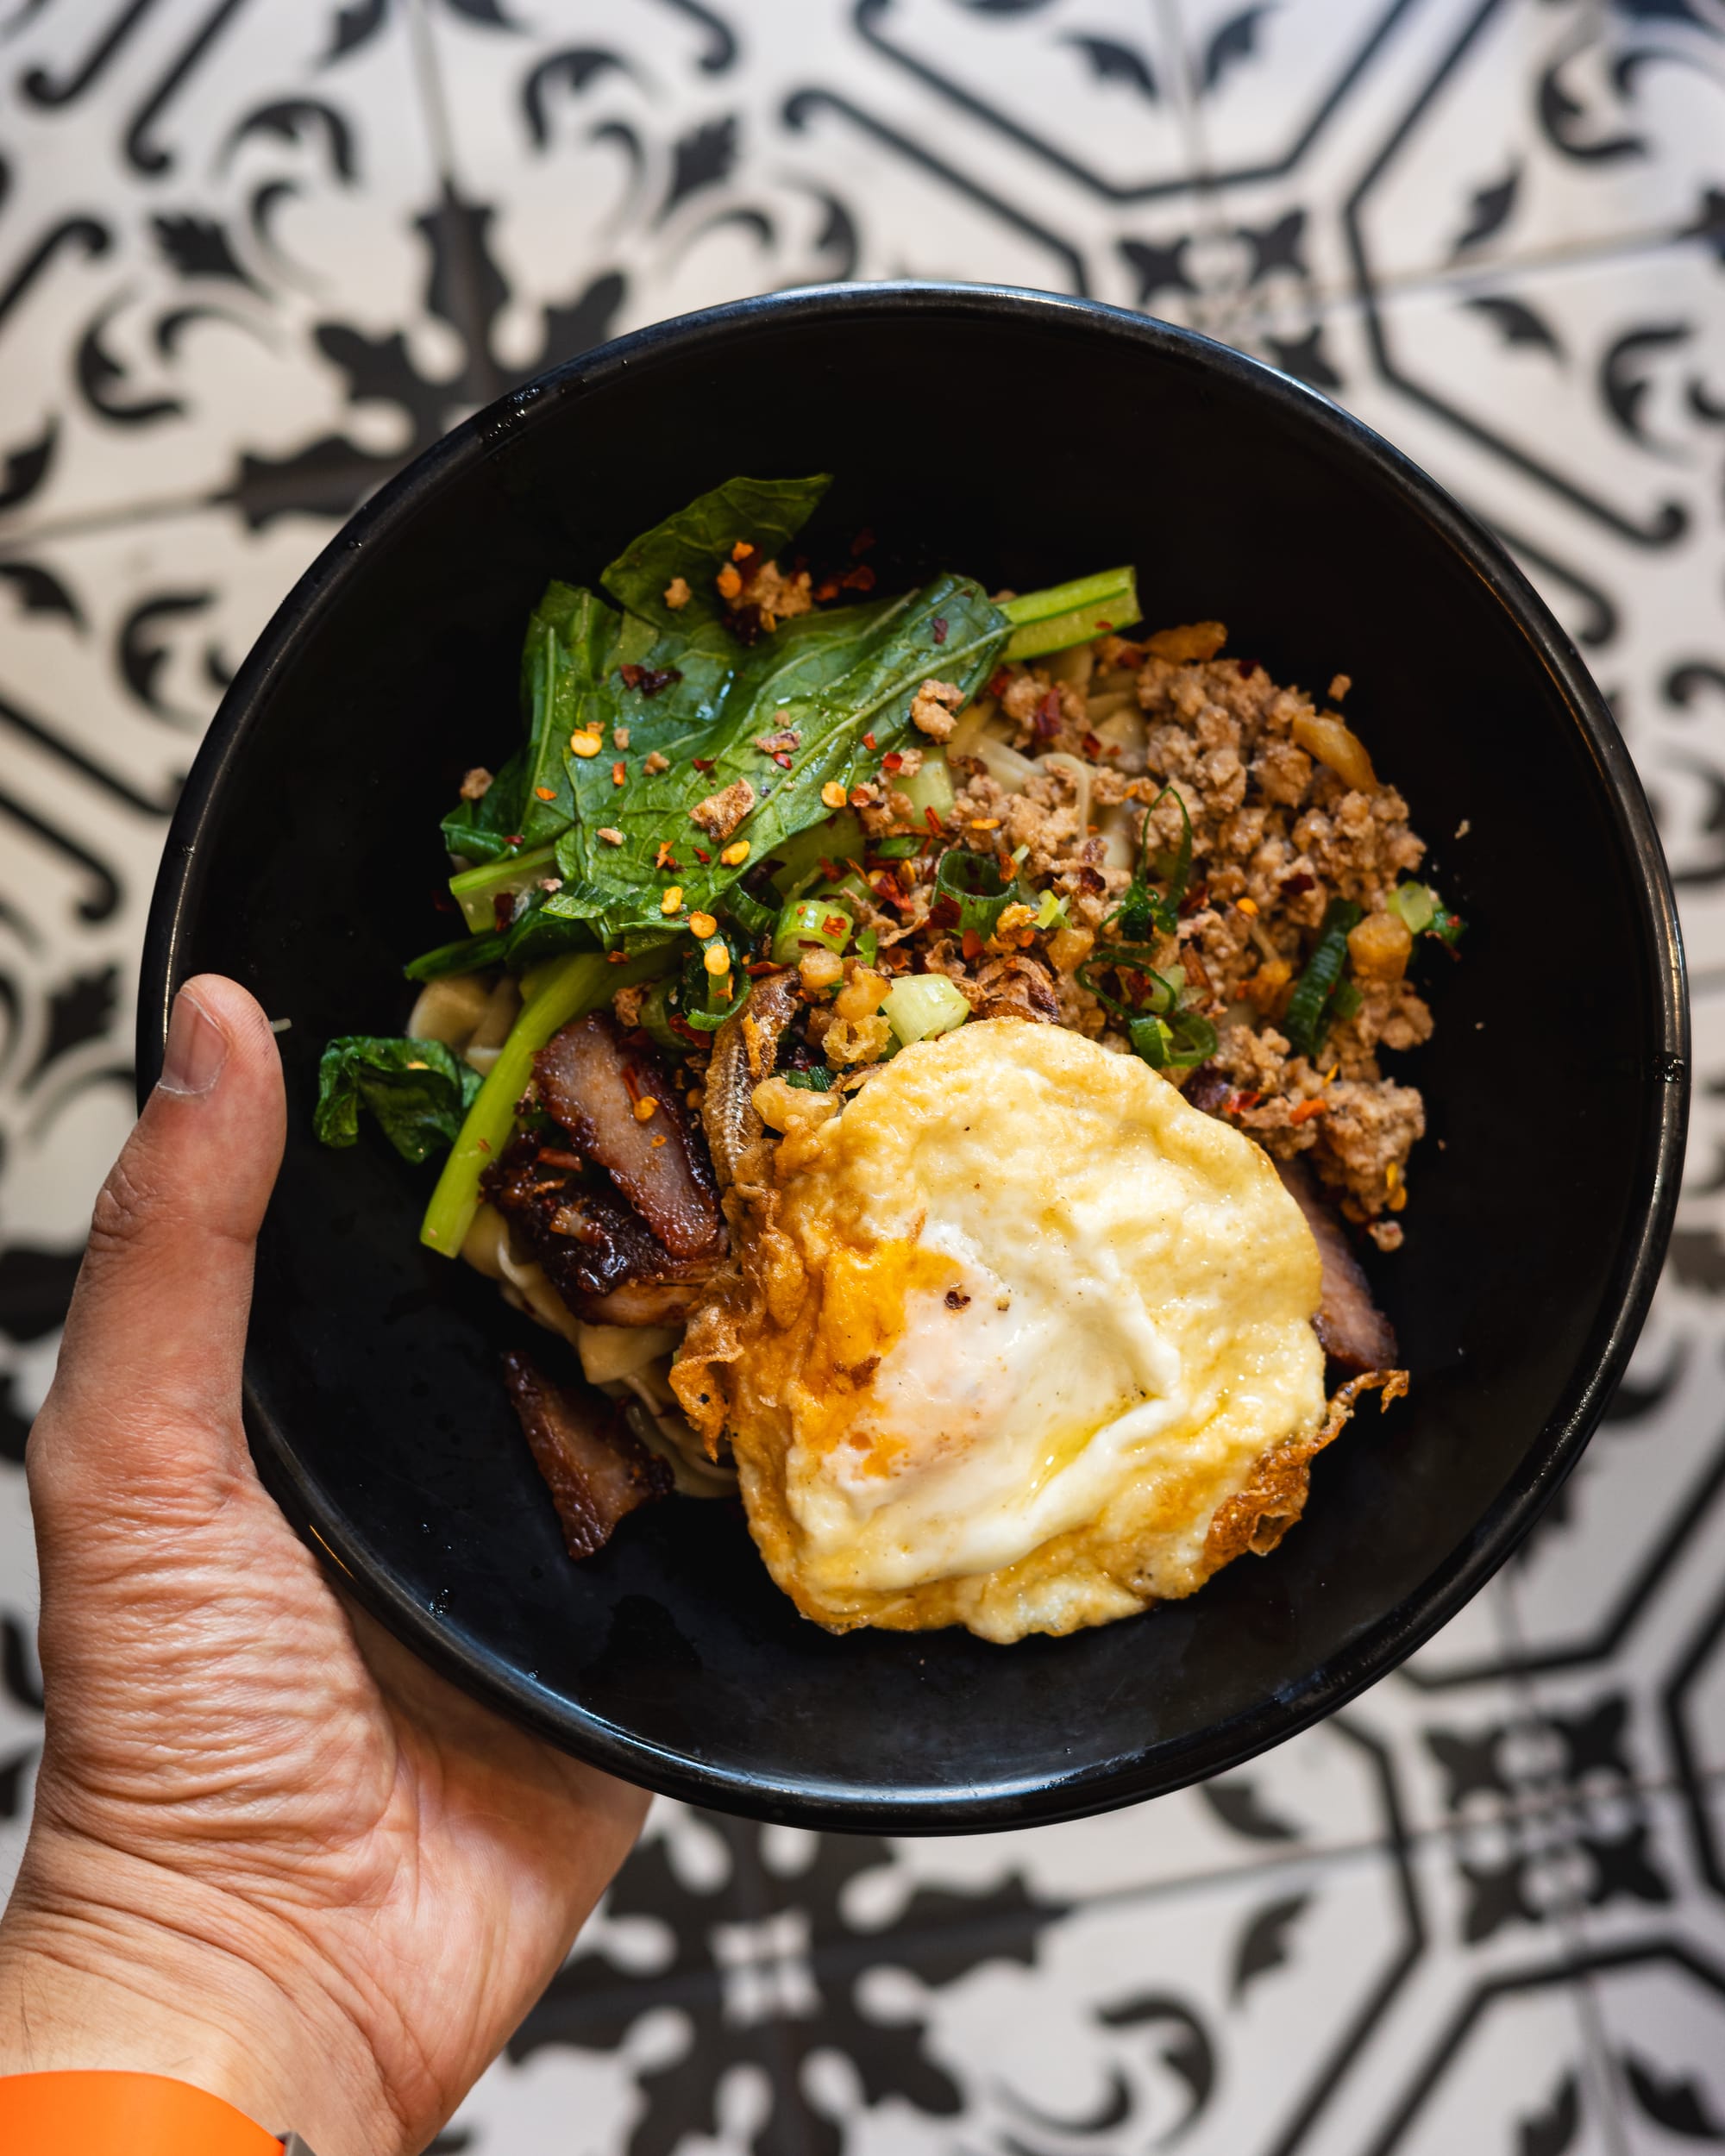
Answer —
(253, 253)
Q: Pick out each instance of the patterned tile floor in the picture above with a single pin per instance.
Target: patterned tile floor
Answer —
(254, 253)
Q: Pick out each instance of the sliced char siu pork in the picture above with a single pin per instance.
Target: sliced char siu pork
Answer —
(597, 1470)
(619, 1209)
(1350, 1328)
(595, 1078)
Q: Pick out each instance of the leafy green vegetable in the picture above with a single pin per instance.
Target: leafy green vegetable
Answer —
(482, 830)
(828, 679)
(696, 542)
(470, 955)
(819, 1080)
(476, 890)
(416, 1089)
(1310, 1006)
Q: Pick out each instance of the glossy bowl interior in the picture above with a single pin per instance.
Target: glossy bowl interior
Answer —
(1021, 439)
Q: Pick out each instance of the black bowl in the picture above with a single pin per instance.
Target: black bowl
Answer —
(1022, 439)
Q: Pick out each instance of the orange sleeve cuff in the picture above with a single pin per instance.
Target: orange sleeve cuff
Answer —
(102, 2113)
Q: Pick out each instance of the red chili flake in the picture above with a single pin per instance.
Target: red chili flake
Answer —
(631, 676)
(1293, 886)
(860, 579)
(620, 771)
(654, 679)
(827, 589)
(1105, 629)
(444, 903)
(1046, 720)
(892, 761)
(1307, 1109)
(836, 924)
(1093, 748)
(702, 763)
(703, 857)
(1000, 681)
(933, 822)
(503, 910)
(514, 841)
(782, 758)
(973, 942)
(546, 792)
(1247, 669)
(1238, 1103)
(664, 858)
(938, 626)
(862, 541)
(757, 969)
(867, 741)
(1195, 901)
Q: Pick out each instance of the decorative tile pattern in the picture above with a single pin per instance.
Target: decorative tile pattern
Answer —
(253, 253)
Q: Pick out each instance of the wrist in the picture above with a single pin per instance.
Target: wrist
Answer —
(88, 1983)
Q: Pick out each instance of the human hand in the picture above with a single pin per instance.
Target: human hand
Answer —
(272, 1853)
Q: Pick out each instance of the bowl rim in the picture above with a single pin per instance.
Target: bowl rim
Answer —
(1004, 1802)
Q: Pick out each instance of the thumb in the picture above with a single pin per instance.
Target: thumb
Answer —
(156, 1332)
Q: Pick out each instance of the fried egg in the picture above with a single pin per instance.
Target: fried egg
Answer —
(1026, 1343)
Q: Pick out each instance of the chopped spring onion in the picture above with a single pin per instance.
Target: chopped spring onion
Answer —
(1069, 614)
(1309, 1007)
(818, 1079)
(656, 1017)
(477, 890)
(1051, 913)
(1415, 904)
(797, 861)
(564, 991)
(810, 925)
(1165, 1034)
(869, 946)
(1446, 926)
(922, 1004)
(1142, 911)
(929, 787)
(977, 887)
(1424, 914)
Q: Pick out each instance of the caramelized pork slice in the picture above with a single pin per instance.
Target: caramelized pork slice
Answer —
(1352, 1330)
(597, 1470)
(596, 1250)
(595, 1080)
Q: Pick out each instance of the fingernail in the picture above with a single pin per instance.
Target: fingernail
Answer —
(196, 1048)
